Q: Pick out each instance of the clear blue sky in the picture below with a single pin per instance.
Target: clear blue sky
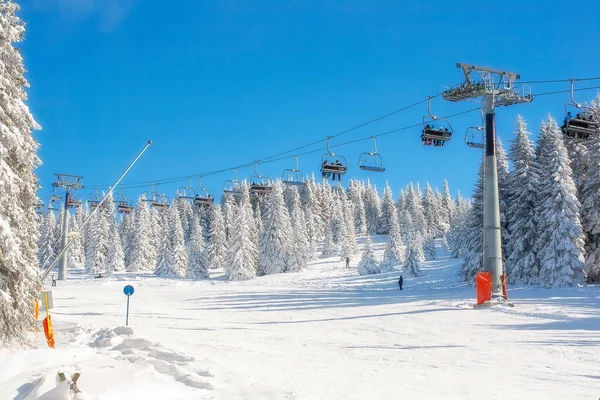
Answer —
(220, 83)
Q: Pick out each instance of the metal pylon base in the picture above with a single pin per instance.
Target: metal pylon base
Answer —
(493, 303)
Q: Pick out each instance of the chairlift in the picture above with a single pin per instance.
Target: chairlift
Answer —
(186, 193)
(73, 201)
(293, 177)
(371, 161)
(39, 206)
(232, 187)
(432, 135)
(333, 164)
(123, 205)
(474, 136)
(155, 200)
(93, 200)
(203, 197)
(584, 125)
(55, 197)
(260, 185)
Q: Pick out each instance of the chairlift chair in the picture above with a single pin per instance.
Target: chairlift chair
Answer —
(73, 202)
(371, 161)
(93, 200)
(232, 187)
(155, 200)
(432, 135)
(39, 206)
(584, 125)
(260, 185)
(122, 204)
(293, 177)
(474, 135)
(203, 197)
(333, 164)
(187, 192)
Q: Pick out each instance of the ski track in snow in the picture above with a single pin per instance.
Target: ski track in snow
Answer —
(325, 333)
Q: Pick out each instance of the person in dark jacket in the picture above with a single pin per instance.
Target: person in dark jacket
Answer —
(400, 282)
(347, 262)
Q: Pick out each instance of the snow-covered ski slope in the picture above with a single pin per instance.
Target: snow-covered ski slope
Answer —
(325, 333)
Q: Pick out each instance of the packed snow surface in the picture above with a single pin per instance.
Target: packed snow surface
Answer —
(325, 333)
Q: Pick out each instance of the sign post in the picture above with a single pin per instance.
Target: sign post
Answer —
(128, 290)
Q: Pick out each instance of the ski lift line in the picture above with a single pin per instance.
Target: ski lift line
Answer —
(89, 217)
(138, 185)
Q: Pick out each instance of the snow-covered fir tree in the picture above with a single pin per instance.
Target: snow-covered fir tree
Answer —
(590, 204)
(115, 256)
(48, 245)
(334, 234)
(96, 251)
(522, 185)
(355, 192)
(414, 245)
(412, 267)
(300, 247)
(240, 261)
(414, 205)
(197, 263)
(173, 258)
(19, 275)
(458, 232)
(126, 233)
(394, 250)
(429, 248)
(560, 245)
(447, 210)
(275, 240)
(368, 264)
(217, 239)
(76, 253)
(372, 208)
(143, 251)
(348, 246)
(472, 251)
(388, 207)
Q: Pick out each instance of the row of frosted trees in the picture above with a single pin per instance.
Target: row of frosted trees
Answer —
(251, 236)
(550, 210)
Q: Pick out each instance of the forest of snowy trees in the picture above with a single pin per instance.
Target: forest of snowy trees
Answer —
(549, 197)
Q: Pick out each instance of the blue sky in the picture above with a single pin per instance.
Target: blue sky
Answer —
(216, 84)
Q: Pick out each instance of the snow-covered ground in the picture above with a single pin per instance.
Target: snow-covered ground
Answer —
(325, 333)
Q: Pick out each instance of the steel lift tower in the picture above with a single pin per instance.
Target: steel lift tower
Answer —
(495, 88)
(68, 182)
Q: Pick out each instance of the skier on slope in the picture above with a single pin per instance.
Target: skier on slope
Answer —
(400, 282)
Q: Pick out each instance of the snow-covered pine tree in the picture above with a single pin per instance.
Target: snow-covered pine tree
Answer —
(326, 205)
(76, 254)
(48, 245)
(143, 250)
(388, 207)
(414, 205)
(197, 263)
(115, 256)
(126, 232)
(240, 262)
(447, 209)
(355, 191)
(503, 179)
(429, 248)
(275, 240)
(217, 239)
(300, 248)
(458, 229)
(590, 208)
(97, 243)
(251, 223)
(19, 274)
(412, 266)
(311, 232)
(349, 246)
(394, 250)
(560, 246)
(334, 234)
(414, 241)
(173, 258)
(368, 264)
(432, 211)
(372, 208)
(312, 209)
(159, 231)
(472, 251)
(522, 186)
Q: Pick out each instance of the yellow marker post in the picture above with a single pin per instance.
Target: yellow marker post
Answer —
(48, 330)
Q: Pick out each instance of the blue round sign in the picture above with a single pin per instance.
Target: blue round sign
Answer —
(128, 290)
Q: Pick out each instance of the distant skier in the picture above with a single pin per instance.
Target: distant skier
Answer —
(347, 262)
(53, 281)
(400, 282)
